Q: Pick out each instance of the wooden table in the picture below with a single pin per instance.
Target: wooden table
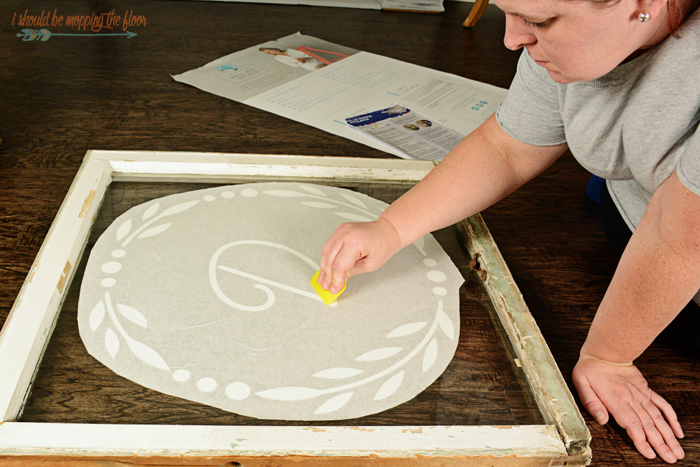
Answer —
(67, 95)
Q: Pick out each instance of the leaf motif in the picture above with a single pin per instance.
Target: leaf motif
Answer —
(353, 200)
(147, 355)
(289, 394)
(337, 373)
(29, 34)
(430, 355)
(378, 354)
(96, 316)
(407, 329)
(319, 204)
(446, 324)
(390, 386)
(46, 35)
(132, 315)
(353, 217)
(284, 193)
(313, 189)
(124, 229)
(420, 244)
(178, 208)
(111, 342)
(154, 230)
(150, 211)
(334, 403)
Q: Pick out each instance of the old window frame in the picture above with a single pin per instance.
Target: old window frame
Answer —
(564, 440)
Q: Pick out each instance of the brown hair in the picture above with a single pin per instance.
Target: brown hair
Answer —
(675, 16)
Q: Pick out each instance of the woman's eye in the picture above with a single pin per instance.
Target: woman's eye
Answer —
(533, 24)
(536, 25)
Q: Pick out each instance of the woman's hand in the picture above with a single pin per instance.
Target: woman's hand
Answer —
(355, 248)
(621, 391)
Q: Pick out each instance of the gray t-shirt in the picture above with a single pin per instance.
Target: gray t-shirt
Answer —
(632, 127)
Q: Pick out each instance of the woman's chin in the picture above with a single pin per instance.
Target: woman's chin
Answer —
(560, 77)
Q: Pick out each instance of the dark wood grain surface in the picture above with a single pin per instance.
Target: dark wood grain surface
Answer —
(62, 97)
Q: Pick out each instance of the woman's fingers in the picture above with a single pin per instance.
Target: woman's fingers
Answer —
(335, 261)
(663, 425)
(647, 428)
(345, 260)
(654, 430)
(669, 414)
(328, 256)
(630, 420)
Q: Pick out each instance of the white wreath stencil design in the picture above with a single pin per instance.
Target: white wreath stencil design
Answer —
(350, 208)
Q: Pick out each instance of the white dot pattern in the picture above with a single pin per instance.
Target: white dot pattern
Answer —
(181, 375)
(206, 384)
(237, 391)
(437, 276)
(111, 267)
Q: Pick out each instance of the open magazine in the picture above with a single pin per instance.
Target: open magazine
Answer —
(414, 134)
(319, 83)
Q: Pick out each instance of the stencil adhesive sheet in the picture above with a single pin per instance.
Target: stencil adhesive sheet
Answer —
(205, 295)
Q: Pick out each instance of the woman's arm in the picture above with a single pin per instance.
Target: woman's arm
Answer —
(658, 274)
(484, 168)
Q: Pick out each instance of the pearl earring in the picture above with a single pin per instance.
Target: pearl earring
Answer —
(644, 16)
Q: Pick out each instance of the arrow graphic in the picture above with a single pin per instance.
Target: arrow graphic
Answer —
(45, 34)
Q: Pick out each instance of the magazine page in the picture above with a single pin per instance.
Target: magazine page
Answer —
(414, 134)
(263, 67)
(321, 84)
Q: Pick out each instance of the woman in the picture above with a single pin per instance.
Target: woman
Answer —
(616, 82)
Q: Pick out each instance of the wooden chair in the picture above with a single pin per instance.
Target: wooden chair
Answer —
(476, 12)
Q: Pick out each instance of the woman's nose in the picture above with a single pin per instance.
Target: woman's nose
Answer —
(517, 34)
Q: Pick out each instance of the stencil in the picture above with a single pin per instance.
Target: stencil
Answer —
(205, 295)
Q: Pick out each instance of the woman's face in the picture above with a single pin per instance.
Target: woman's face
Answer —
(575, 40)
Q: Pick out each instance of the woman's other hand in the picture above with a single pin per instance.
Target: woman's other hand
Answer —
(355, 248)
(621, 391)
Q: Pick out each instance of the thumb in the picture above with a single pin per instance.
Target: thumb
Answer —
(360, 267)
(591, 401)
(369, 263)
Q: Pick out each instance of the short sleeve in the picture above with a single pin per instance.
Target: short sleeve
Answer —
(689, 166)
(530, 112)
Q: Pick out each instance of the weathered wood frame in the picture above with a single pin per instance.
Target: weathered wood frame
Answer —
(564, 440)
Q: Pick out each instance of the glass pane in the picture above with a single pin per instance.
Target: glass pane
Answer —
(481, 386)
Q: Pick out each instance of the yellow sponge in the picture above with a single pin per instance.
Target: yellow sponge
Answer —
(325, 295)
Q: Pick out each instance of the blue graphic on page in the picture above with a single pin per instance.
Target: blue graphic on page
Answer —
(377, 116)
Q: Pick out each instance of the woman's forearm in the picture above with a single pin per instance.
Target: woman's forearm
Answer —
(658, 274)
(484, 168)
